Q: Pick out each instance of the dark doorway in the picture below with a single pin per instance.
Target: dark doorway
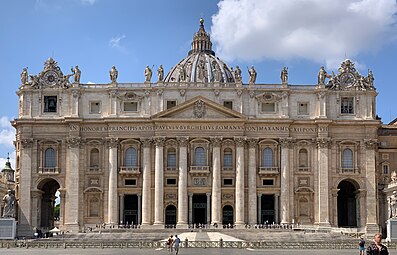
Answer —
(49, 188)
(347, 209)
(131, 210)
(227, 215)
(199, 209)
(170, 215)
(267, 209)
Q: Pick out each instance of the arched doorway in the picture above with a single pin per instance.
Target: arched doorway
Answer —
(347, 204)
(170, 215)
(47, 203)
(227, 215)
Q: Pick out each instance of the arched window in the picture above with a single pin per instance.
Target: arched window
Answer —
(347, 158)
(303, 158)
(131, 158)
(267, 157)
(171, 157)
(50, 158)
(227, 158)
(199, 157)
(94, 157)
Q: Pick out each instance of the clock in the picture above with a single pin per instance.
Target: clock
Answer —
(347, 79)
(50, 78)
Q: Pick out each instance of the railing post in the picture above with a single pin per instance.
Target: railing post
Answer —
(186, 243)
(221, 243)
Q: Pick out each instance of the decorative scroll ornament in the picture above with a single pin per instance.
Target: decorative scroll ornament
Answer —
(50, 77)
(216, 141)
(199, 109)
(252, 142)
(27, 143)
(182, 140)
(323, 142)
(73, 142)
(112, 142)
(240, 140)
(348, 78)
(370, 143)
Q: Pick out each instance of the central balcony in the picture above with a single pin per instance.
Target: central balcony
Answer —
(48, 170)
(265, 170)
(131, 170)
(199, 170)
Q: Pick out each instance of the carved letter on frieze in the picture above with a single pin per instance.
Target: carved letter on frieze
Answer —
(216, 141)
(73, 142)
(182, 140)
(159, 141)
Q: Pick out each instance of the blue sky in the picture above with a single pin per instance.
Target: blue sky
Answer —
(96, 34)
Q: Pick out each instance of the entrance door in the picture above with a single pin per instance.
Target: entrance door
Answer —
(267, 209)
(347, 211)
(170, 215)
(199, 209)
(227, 215)
(49, 188)
(131, 210)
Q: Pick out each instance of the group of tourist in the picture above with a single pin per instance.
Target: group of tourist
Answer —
(173, 244)
(376, 248)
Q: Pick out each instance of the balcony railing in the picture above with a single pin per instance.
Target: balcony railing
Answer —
(130, 170)
(269, 170)
(304, 169)
(227, 168)
(48, 170)
(172, 168)
(94, 169)
(349, 171)
(200, 169)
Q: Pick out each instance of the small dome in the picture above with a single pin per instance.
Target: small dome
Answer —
(201, 64)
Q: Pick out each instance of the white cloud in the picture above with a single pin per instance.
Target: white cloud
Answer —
(318, 30)
(88, 2)
(114, 42)
(91, 82)
(7, 132)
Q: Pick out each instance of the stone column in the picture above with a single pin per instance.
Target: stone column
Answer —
(322, 104)
(72, 184)
(334, 193)
(62, 195)
(208, 208)
(112, 191)
(240, 205)
(113, 102)
(160, 106)
(276, 211)
(148, 104)
(284, 104)
(284, 189)
(252, 197)
(75, 102)
(190, 208)
(24, 194)
(259, 208)
(159, 182)
(182, 184)
(371, 185)
(121, 211)
(139, 208)
(146, 182)
(323, 179)
(216, 181)
(36, 208)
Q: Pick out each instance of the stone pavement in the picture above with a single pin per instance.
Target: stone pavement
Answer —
(190, 251)
(205, 236)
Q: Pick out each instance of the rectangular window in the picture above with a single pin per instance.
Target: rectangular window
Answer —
(95, 107)
(130, 182)
(227, 182)
(268, 107)
(171, 160)
(50, 103)
(228, 104)
(303, 109)
(130, 106)
(346, 106)
(170, 104)
(171, 181)
(385, 169)
(227, 160)
(267, 182)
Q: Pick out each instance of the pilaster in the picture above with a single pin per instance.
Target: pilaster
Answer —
(146, 182)
(159, 182)
(182, 184)
(216, 180)
(252, 198)
(240, 205)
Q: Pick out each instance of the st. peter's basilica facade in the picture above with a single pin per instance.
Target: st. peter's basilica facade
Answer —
(197, 145)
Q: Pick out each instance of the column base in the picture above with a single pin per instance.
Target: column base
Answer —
(240, 225)
(24, 230)
(324, 224)
(182, 226)
(371, 229)
(158, 226)
(72, 227)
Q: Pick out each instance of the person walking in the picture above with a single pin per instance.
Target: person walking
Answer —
(361, 245)
(177, 241)
(170, 242)
(377, 248)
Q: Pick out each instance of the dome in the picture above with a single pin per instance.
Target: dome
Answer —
(201, 64)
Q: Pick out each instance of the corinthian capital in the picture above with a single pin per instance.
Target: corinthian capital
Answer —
(252, 142)
(159, 141)
(216, 141)
(112, 142)
(73, 142)
(26, 143)
(182, 140)
(323, 142)
(285, 142)
(240, 140)
(370, 143)
(146, 142)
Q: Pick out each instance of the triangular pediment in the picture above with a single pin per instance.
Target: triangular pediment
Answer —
(199, 108)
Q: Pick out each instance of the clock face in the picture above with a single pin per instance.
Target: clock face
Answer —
(347, 79)
(50, 78)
